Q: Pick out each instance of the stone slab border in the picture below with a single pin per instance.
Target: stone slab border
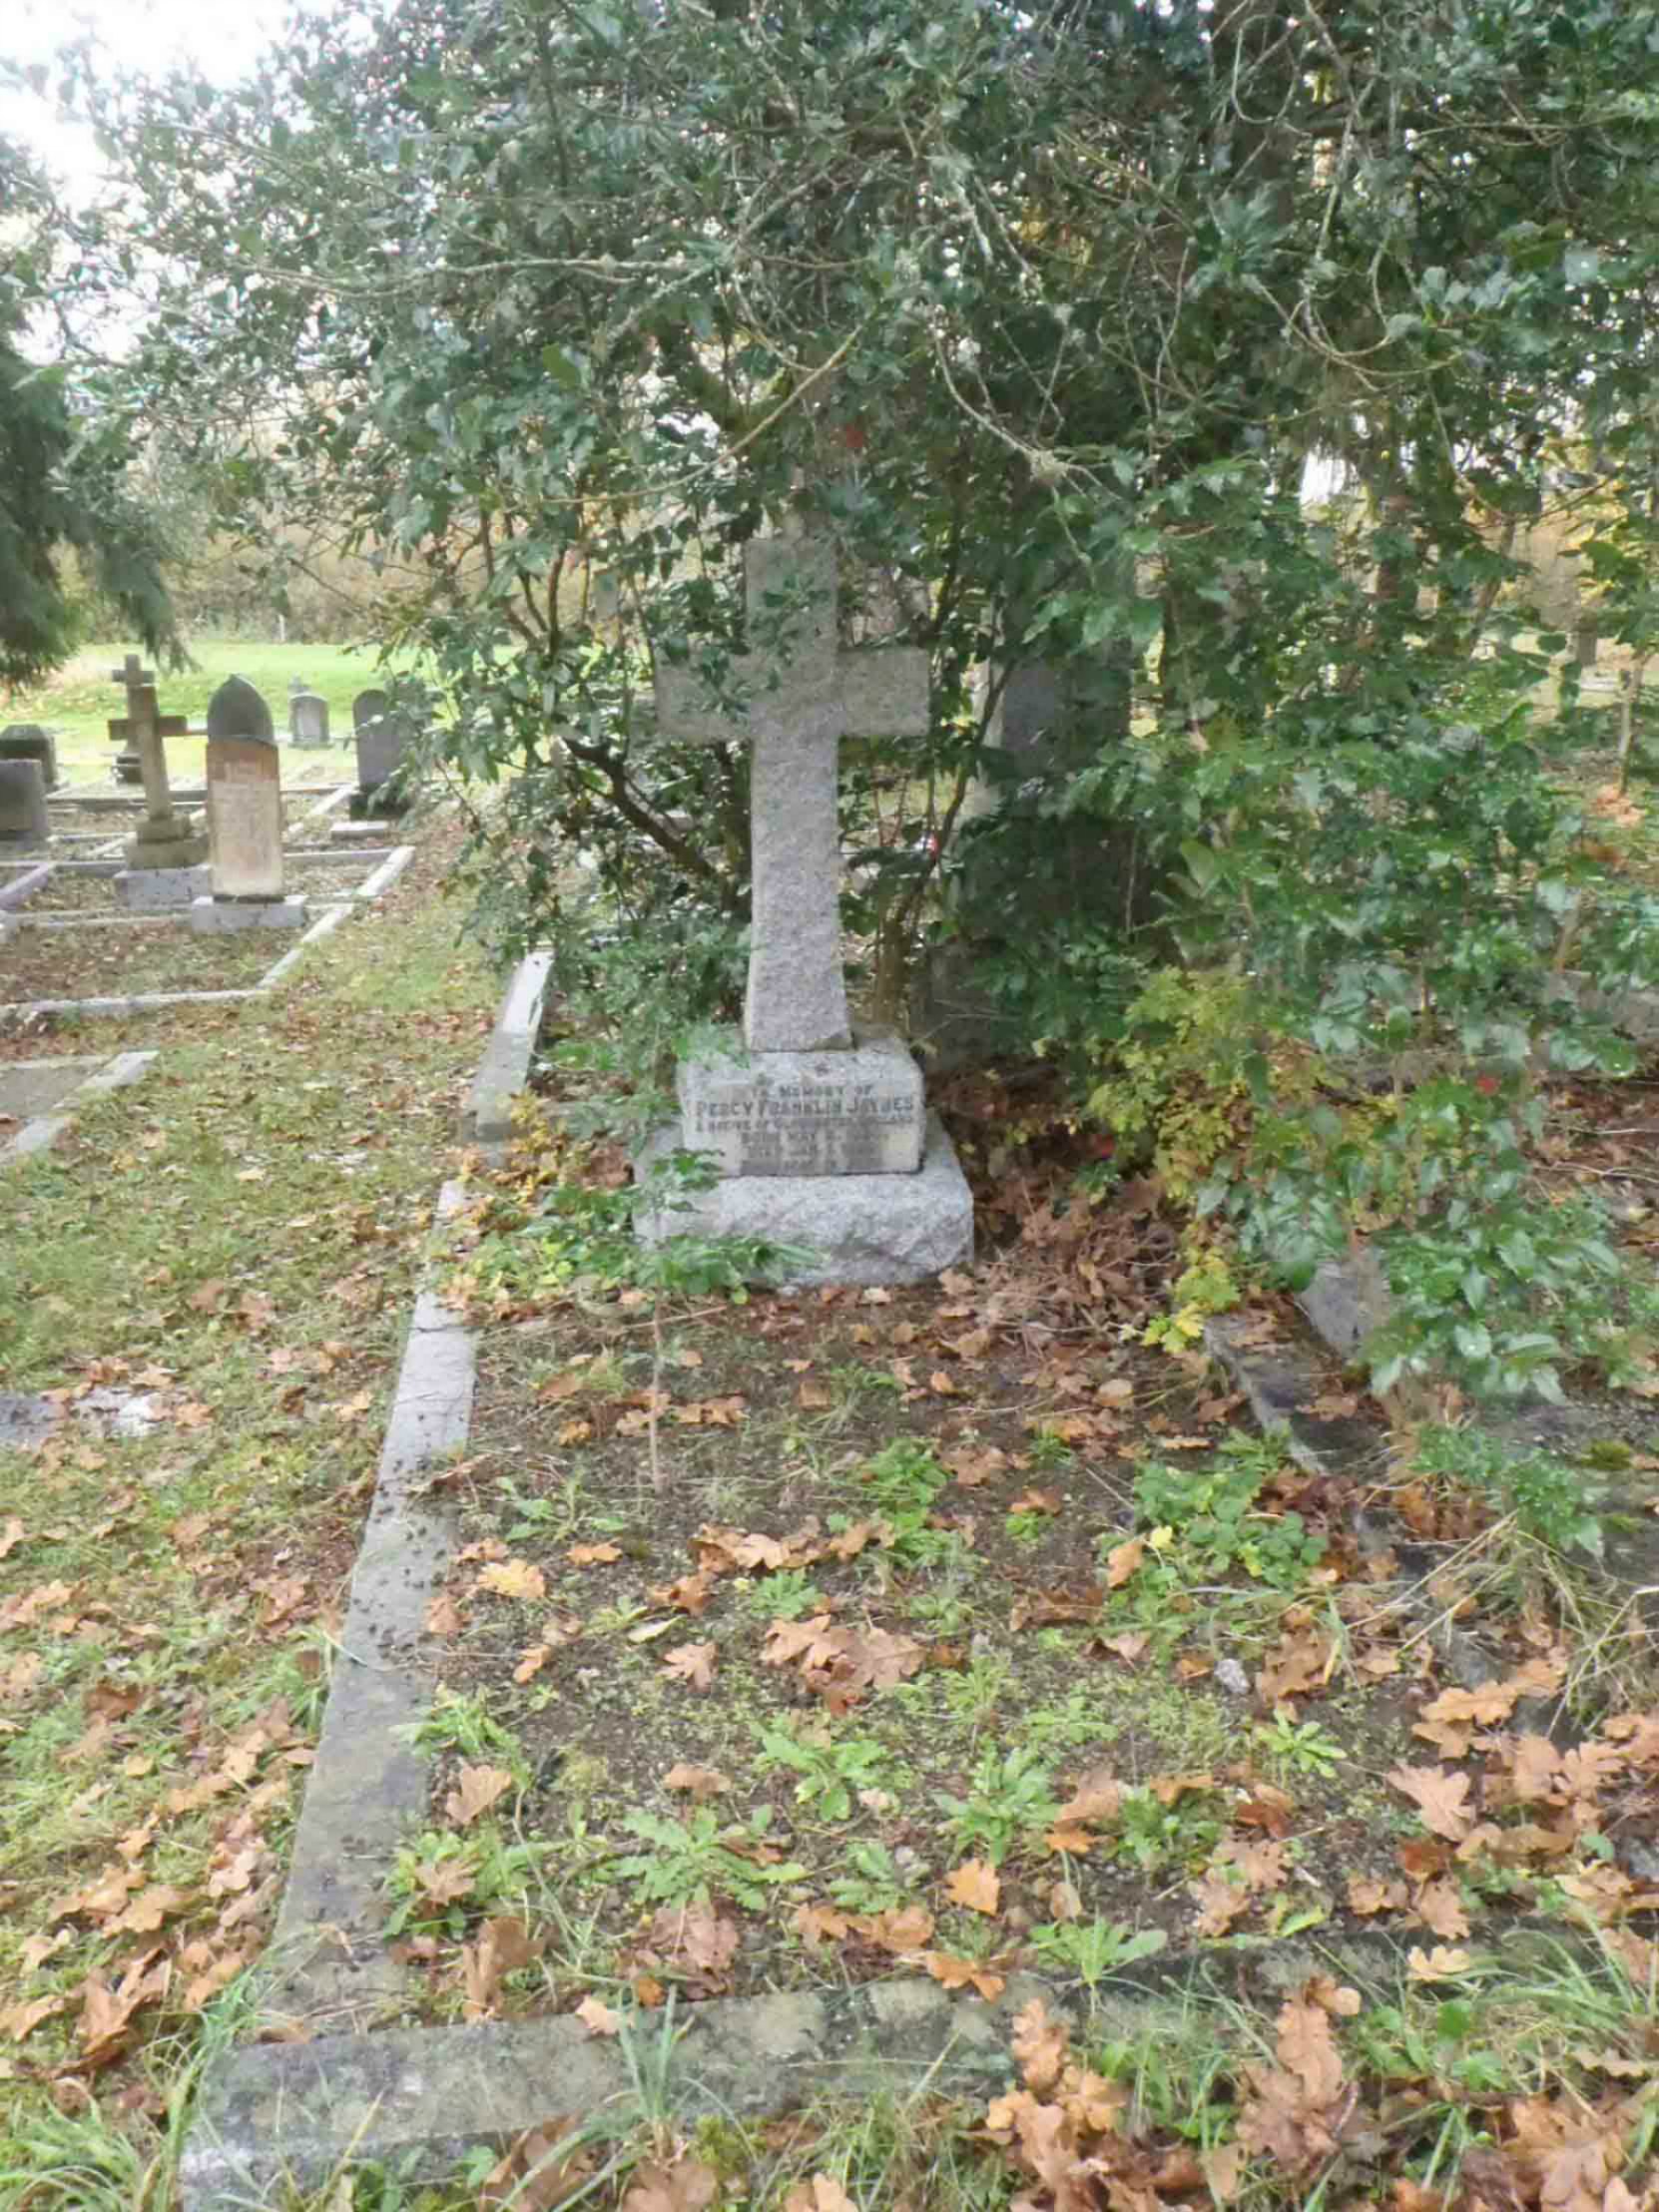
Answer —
(487, 1117)
(383, 877)
(335, 2092)
(27, 884)
(142, 1002)
(102, 921)
(324, 925)
(331, 1965)
(45, 1129)
(285, 2116)
(324, 807)
(145, 1002)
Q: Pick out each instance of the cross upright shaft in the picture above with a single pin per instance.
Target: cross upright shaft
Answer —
(802, 696)
(144, 733)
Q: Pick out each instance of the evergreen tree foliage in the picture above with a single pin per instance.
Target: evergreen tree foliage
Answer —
(64, 465)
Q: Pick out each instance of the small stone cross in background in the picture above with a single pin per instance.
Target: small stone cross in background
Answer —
(165, 838)
(801, 697)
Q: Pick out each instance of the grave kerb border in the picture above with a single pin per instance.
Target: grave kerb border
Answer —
(487, 1117)
(146, 1002)
(42, 1130)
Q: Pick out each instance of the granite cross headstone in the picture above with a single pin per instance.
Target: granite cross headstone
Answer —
(165, 838)
(797, 700)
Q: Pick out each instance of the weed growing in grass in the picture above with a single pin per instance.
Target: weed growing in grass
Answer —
(1298, 1748)
(690, 1861)
(441, 1881)
(972, 1695)
(1154, 1834)
(903, 1482)
(1212, 1510)
(1551, 1499)
(1010, 1798)
(874, 1881)
(1051, 1454)
(788, 1595)
(1093, 1948)
(1067, 1723)
(831, 1772)
(1027, 1529)
(461, 1724)
(554, 1519)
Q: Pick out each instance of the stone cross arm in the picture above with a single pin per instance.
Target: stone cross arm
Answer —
(132, 673)
(806, 686)
(800, 696)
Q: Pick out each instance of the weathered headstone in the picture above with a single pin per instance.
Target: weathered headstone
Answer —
(28, 741)
(307, 718)
(817, 1137)
(383, 726)
(23, 816)
(165, 838)
(244, 818)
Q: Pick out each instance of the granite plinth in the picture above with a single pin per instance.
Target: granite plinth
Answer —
(854, 1112)
(863, 1229)
(215, 917)
(154, 890)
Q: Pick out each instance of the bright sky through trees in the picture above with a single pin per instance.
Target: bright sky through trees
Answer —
(148, 35)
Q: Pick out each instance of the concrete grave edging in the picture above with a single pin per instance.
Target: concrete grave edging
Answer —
(325, 807)
(55, 923)
(487, 1117)
(324, 925)
(45, 1129)
(295, 2112)
(143, 1002)
(24, 884)
(327, 1940)
(392, 868)
(146, 1002)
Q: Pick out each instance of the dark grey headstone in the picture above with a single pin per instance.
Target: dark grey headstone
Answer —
(307, 718)
(382, 728)
(28, 741)
(235, 710)
(23, 816)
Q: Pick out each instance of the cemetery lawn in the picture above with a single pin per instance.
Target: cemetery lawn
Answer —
(79, 700)
(229, 1249)
(805, 1638)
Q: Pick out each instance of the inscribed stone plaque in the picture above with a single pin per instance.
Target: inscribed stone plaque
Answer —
(244, 818)
(857, 1112)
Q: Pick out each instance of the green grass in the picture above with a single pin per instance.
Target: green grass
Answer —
(240, 1237)
(78, 702)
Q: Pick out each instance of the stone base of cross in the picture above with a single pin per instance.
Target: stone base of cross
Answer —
(793, 700)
